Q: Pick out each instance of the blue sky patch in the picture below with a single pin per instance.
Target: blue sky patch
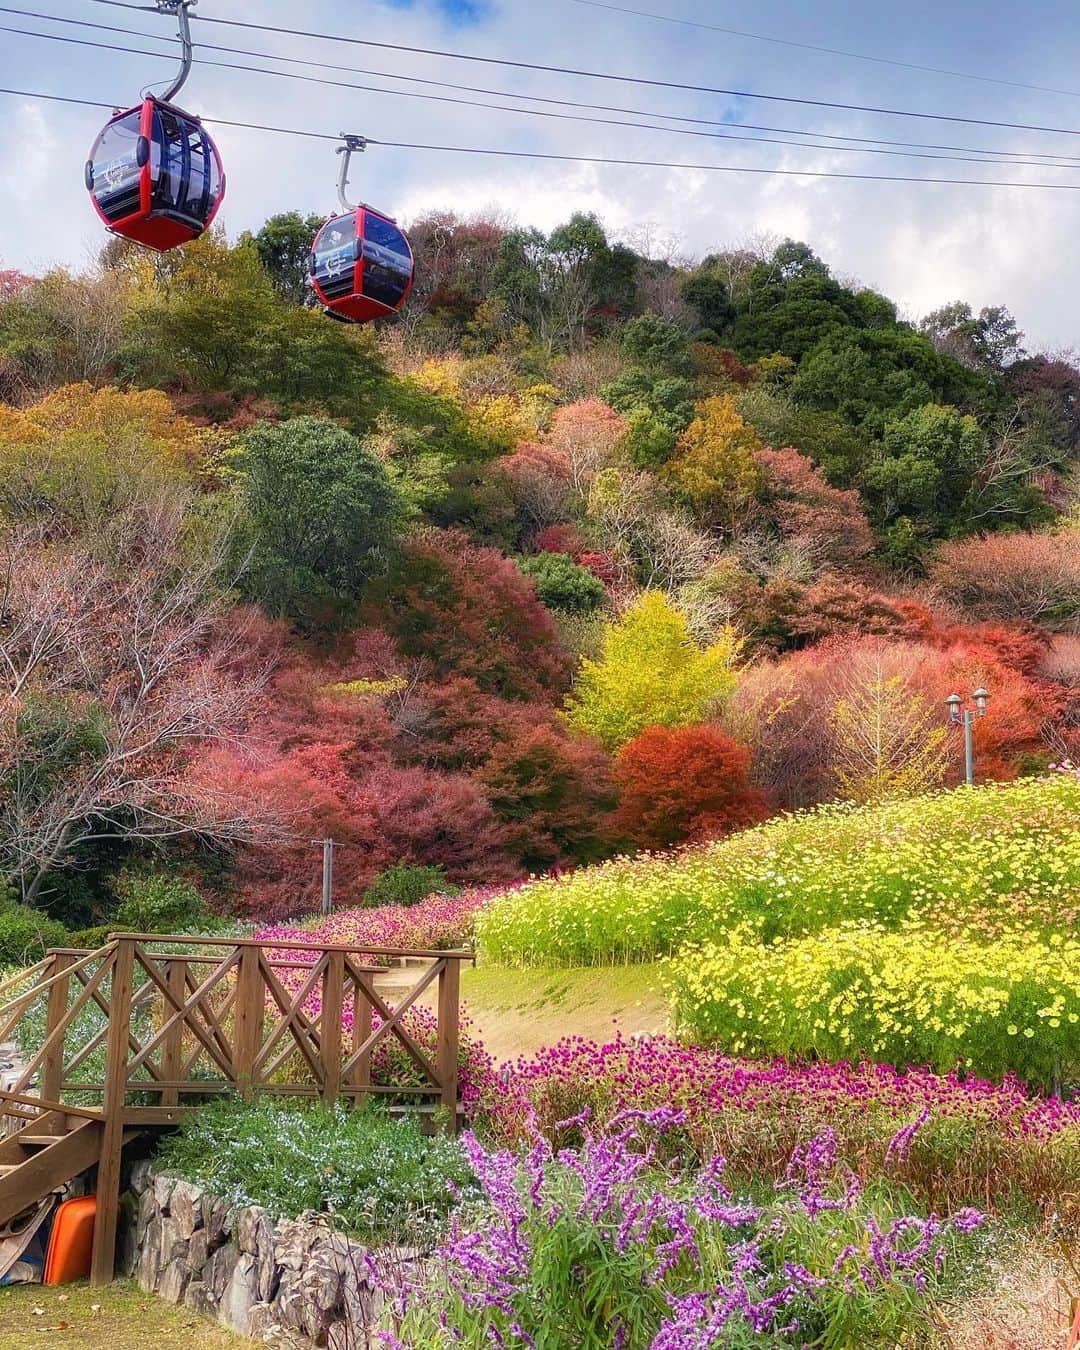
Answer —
(461, 12)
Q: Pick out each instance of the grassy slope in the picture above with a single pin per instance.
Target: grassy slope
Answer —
(515, 1012)
(122, 1317)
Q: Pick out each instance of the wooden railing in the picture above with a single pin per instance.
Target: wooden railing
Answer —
(144, 1028)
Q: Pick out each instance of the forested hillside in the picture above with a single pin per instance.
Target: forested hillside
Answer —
(587, 552)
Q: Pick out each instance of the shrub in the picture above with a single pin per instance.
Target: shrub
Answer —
(156, 902)
(687, 783)
(1007, 1006)
(91, 938)
(1015, 576)
(378, 1176)
(26, 934)
(403, 884)
(469, 611)
(322, 508)
(563, 584)
(976, 860)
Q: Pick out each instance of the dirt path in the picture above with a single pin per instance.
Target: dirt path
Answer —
(515, 1012)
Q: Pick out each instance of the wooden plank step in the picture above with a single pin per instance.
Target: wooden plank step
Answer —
(44, 1140)
(47, 1168)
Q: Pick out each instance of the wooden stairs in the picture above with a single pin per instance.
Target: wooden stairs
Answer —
(51, 1149)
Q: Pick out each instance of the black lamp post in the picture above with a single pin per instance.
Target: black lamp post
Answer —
(962, 716)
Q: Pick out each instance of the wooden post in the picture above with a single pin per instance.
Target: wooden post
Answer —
(52, 1066)
(173, 1047)
(333, 996)
(446, 1053)
(103, 1259)
(361, 1075)
(250, 1009)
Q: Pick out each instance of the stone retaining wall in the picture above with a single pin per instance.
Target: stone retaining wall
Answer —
(293, 1283)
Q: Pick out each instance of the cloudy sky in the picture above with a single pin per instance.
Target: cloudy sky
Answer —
(923, 244)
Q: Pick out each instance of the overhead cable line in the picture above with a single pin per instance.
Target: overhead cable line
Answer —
(607, 75)
(551, 156)
(1055, 162)
(995, 152)
(827, 51)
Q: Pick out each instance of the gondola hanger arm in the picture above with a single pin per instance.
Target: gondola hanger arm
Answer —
(351, 145)
(180, 9)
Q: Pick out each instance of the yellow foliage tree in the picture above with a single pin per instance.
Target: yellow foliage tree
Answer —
(888, 740)
(81, 454)
(651, 673)
(714, 468)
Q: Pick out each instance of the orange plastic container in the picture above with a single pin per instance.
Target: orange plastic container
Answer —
(71, 1241)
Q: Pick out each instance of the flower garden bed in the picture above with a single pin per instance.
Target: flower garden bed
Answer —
(995, 858)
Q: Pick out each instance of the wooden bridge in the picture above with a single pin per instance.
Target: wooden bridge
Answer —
(126, 1039)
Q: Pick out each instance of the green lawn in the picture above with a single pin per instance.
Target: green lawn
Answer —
(121, 1317)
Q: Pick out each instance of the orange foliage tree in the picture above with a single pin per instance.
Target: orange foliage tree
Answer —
(684, 784)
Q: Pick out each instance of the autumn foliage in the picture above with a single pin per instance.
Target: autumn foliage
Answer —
(684, 784)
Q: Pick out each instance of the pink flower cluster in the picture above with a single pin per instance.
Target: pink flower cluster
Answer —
(658, 1071)
(440, 922)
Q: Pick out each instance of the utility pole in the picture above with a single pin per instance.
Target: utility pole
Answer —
(327, 877)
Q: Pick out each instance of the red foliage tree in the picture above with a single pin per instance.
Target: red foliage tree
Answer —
(560, 538)
(602, 565)
(827, 525)
(455, 725)
(539, 479)
(839, 607)
(466, 610)
(414, 815)
(684, 784)
(555, 795)
(589, 433)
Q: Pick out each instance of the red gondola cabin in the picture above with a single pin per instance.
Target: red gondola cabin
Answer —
(155, 176)
(361, 266)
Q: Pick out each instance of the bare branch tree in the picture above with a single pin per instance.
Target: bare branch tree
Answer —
(112, 679)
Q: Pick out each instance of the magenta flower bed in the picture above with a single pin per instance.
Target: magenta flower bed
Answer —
(658, 1070)
(977, 1140)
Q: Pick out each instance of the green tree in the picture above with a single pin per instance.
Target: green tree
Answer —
(655, 343)
(284, 245)
(870, 375)
(987, 341)
(210, 322)
(825, 437)
(651, 673)
(925, 467)
(321, 509)
(562, 584)
(706, 292)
